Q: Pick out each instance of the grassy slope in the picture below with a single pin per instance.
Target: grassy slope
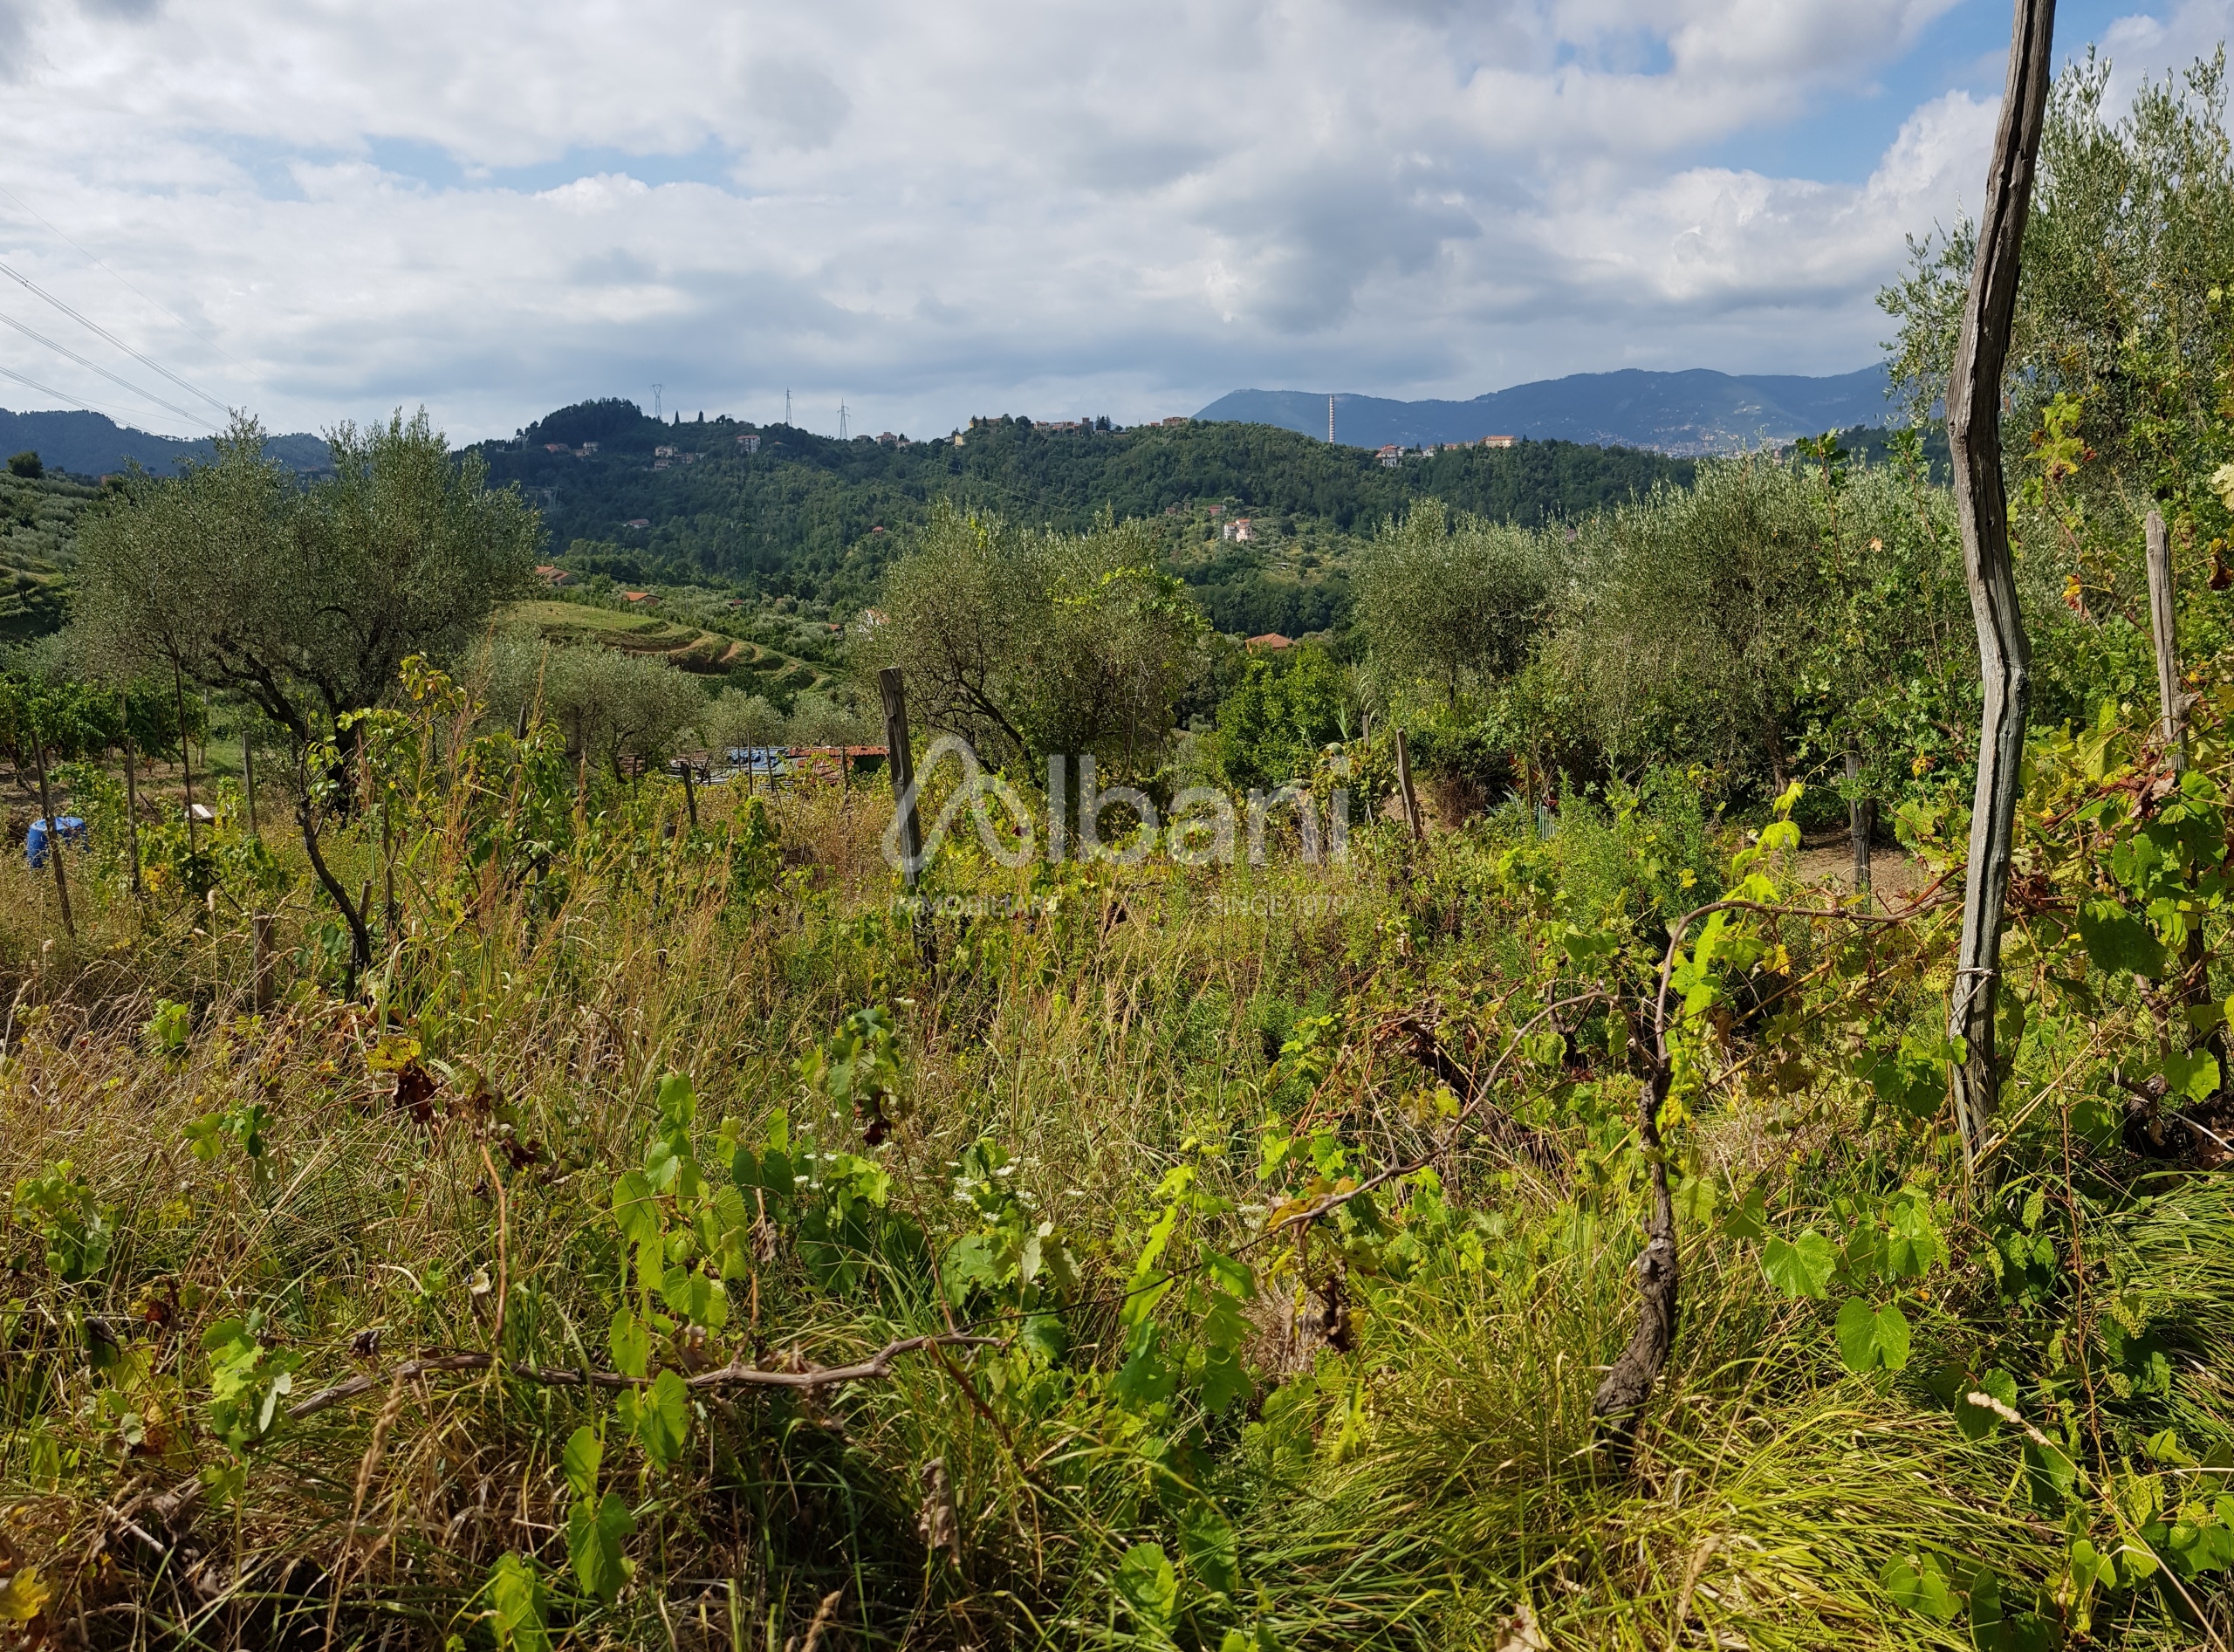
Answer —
(1433, 1486)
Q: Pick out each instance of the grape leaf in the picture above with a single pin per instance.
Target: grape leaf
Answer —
(1920, 1583)
(1869, 1337)
(1800, 1266)
(2117, 940)
(1148, 1583)
(631, 1343)
(595, 1532)
(584, 1452)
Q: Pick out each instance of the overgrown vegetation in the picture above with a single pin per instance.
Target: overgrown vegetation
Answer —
(536, 1205)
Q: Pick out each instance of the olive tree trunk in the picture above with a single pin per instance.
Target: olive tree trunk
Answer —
(1974, 396)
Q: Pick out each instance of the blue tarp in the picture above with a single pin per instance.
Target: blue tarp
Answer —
(73, 831)
(762, 760)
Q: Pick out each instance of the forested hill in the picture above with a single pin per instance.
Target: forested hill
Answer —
(808, 515)
(90, 444)
(1693, 412)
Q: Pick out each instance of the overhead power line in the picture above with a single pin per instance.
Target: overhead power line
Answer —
(95, 367)
(157, 305)
(99, 264)
(60, 395)
(101, 332)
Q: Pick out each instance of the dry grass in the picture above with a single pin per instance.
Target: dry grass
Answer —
(1434, 1486)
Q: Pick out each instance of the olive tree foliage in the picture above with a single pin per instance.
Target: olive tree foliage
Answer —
(607, 704)
(1030, 644)
(816, 719)
(2120, 368)
(738, 720)
(1693, 615)
(305, 600)
(1453, 602)
(1776, 614)
(1891, 675)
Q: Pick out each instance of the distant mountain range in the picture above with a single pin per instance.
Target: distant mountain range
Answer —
(91, 444)
(1695, 412)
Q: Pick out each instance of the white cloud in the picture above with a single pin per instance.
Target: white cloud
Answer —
(934, 211)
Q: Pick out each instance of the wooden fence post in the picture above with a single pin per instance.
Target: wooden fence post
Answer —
(2172, 701)
(53, 832)
(689, 794)
(1404, 787)
(894, 687)
(1974, 399)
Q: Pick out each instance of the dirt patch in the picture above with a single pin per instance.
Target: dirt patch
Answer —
(1894, 874)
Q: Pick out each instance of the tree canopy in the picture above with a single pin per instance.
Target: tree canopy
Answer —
(1032, 643)
(305, 600)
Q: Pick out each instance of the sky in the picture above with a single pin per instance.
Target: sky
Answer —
(320, 210)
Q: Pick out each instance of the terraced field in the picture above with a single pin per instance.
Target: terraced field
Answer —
(38, 530)
(687, 646)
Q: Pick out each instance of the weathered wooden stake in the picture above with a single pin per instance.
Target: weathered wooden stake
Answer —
(263, 959)
(689, 794)
(389, 910)
(2172, 723)
(1974, 396)
(893, 685)
(2172, 726)
(131, 793)
(185, 757)
(1404, 787)
(248, 775)
(1861, 818)
(53, 832)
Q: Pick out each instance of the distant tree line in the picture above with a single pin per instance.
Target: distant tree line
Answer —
(809, 516)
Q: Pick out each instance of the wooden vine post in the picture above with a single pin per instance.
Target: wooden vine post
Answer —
(131, 793)
(893, 685)
(248, 776)
(1404, 789)
(263, 957)
(2172, 723)
(1861, 819)
(1974, 397)
(185, 757)
(2172, 727)
(689, 791)
(53, 832)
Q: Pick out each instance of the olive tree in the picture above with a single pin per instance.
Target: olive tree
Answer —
(1030, 644)
(609, 705)
(305, 600)
(1452, 602)
(1694, 616)
(2122, 330)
